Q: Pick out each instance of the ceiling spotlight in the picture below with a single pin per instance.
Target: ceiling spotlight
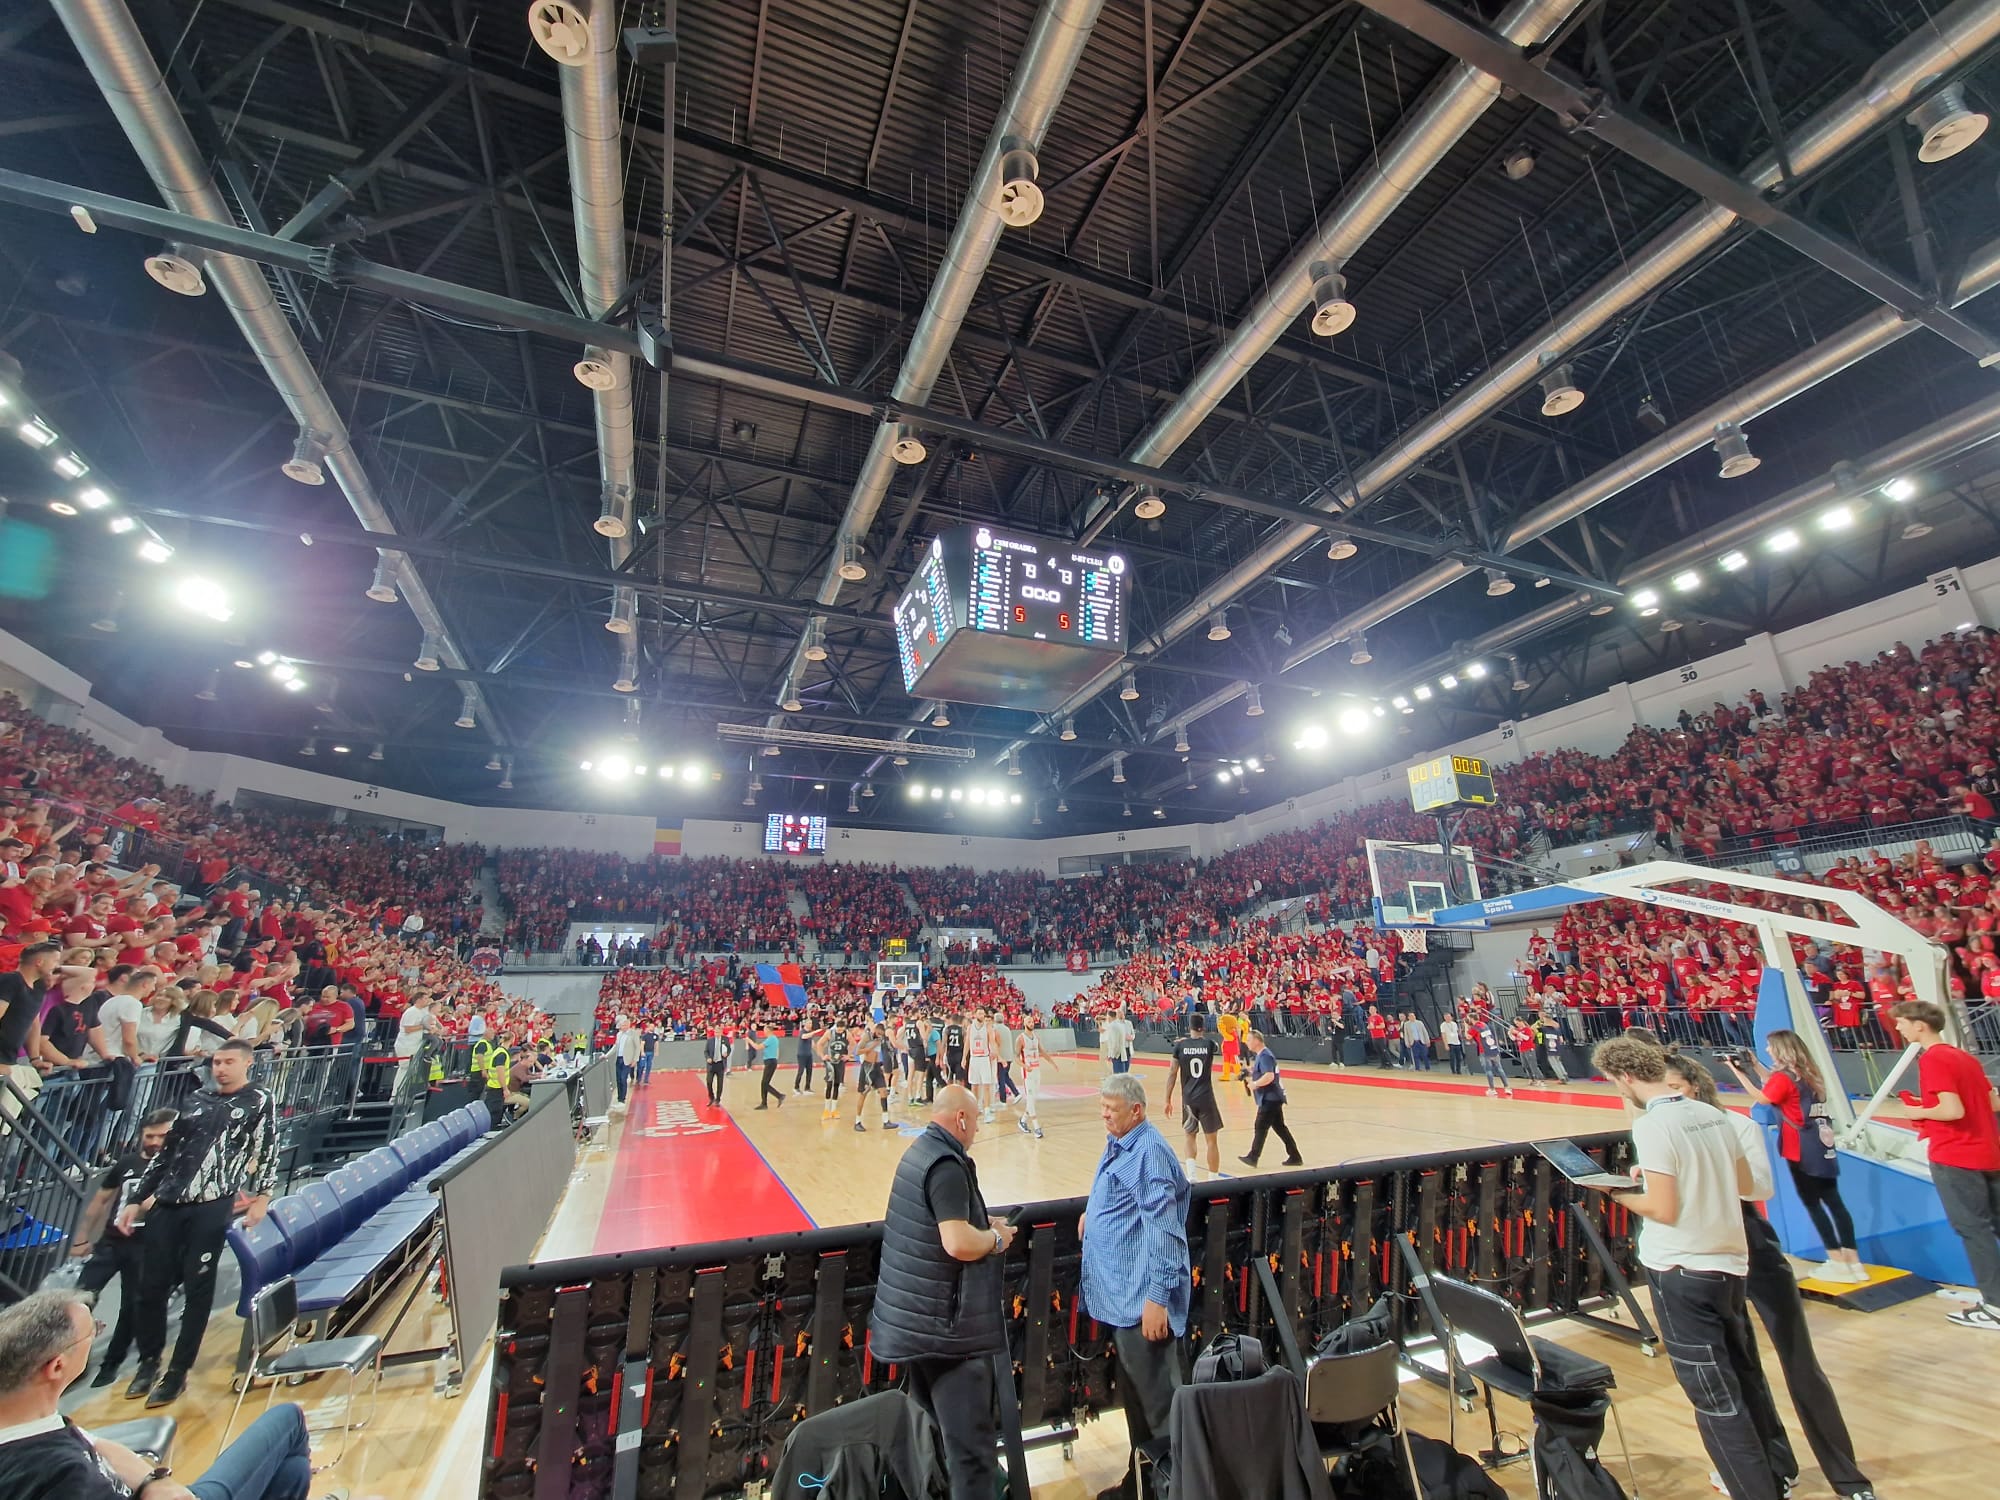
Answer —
(1020, 198)
(1253, 702)
(1068, 730)
(815, 649)
(1283, 634)
(1645, 599)
(1341, 548)
(284, 671)
(493, 761)
(1946, 124)
(596, 371)
(899, 760)
(375, 753)
(1520, 682)
(1518, 162)
(153, 550)
(1062, 804)
(584, 765)
(867, 788)
(1669, 625)
(624, 616)
(307, 465)
(1354, 721)
(789, 700)
(36, 433)
(1601, 608)
(203, 596)
(1423, 692)
(296, 685)
(1332, 311)
(1360, 655)
(1036, 820)
(1118, 767)
(1150, 507)
(211, 689)
(1836, 518)
(627, 680)
(1916, 530)
(956, 794)
(1498, 583)
(1402, 703)
(1218, 625)
(1159, 811)
(1686, 582)
(1129, 689)
(90, 497)
(1782, 541)
(1475, 670)
(1732, 562)
(1128, 810)
(976, 796)
(1224, 776)
(506, 782)
(908, 448)
(611, 519)
(853, 805)
(936, 793)
(326, 699)
(1180, 738)
(1560, 392)
(338, 749)
(244, 663)
(851, 566)
(427, 653)
(1312, 737)
(1013, 763)
(69, 466)
(62, 507)
(467, 706)
(1448, 681)
(1733, 449)
(915, 791)
(942, 718)
(266, 658)
(1649, 415)
(309, 748)
(1900, 490)
(107, 623)
(177, 271)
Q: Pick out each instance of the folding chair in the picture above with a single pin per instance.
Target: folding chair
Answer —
(1520, 1365)
(1345, 1391)
(274, 1317)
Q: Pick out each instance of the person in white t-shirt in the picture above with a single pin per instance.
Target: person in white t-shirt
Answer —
(416, 1024)
(1695, 1176)
(119, 1013)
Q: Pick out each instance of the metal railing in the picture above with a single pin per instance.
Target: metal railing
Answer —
(45, 1185)
(1956, 834)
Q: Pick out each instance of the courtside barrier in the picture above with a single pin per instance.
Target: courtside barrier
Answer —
(680, 1371)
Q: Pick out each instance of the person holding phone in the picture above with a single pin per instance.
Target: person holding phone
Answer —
(938, 1290)
(1805, 1140)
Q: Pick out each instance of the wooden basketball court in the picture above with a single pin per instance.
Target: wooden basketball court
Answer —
(1914, 1388)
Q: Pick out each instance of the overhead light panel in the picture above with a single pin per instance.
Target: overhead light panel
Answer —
(1645, 598)
(121, 524)
(203, 596)
(90, 497)
(69, 466)
(36, 433)
(1732, 562)
(1402, 703)
(1475, 670)
(1900, 490)
(1354, 721)
(1836, 518)
(1786, 540)
(1312, 737)
(153, 550)
(1686, 581)
(1423, 692)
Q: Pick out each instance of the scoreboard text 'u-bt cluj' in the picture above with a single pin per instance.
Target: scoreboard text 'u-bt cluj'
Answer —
(1014, 621)
(1412, 881)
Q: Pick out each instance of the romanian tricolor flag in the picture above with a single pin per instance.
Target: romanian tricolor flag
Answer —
(667, 838)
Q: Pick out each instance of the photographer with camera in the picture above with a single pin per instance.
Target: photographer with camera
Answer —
(1805, 1139)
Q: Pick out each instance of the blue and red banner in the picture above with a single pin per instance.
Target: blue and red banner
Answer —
(784, 984)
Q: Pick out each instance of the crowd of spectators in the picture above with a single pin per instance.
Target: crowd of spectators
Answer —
(856, 908)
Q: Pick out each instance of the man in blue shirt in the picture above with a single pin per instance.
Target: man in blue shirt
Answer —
(1135, 1258)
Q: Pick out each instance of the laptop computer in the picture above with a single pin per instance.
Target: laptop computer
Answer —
(1580, 1167)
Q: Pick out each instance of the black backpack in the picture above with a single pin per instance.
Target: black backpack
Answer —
(1229, 1356)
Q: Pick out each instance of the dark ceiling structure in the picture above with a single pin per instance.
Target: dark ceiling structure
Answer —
(540, 392)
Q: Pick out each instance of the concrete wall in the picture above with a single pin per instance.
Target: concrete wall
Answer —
(1950, 599)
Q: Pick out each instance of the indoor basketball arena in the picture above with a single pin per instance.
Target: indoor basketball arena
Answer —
(1308, 692)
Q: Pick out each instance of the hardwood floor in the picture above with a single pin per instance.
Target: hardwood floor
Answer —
(1913, 1387)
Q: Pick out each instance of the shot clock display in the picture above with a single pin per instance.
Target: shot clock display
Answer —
(794, 833)
(1451, 781)
(1017, 621)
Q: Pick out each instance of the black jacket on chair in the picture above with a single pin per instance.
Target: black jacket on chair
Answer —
(1246, 1440)
(882, 1447)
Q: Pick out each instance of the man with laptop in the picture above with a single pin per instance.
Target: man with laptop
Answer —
(1693, 1177)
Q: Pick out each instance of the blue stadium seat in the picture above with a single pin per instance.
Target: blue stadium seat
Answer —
(263, 1255)
(303, 1235)
(333, 1220)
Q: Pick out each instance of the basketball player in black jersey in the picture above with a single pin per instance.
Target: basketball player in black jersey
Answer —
(954, 1049)
(1194, 1075)
(871, 1075)
(833, 1053)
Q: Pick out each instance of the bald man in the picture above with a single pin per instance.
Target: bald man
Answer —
(937, 1294)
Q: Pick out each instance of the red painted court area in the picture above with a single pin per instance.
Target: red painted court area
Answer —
(685, 1174)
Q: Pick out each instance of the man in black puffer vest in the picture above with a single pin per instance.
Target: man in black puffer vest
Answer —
(937, 1294)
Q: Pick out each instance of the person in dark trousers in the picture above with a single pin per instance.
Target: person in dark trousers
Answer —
(114, 1255)
(223, 1149)
(1269, 1092)
(1805, 1139)
(715, 1053)
(1695, 1176)
(1135, 1279)
(802, 1080)
(769, 1091)
(938, 1291)
(1774, 1292)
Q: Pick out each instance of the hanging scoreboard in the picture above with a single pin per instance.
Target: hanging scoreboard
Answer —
(1451, 781)
(1016, 621)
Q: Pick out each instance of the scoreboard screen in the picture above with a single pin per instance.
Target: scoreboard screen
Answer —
(977, 590)
(794, 833)
(1451, 781)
